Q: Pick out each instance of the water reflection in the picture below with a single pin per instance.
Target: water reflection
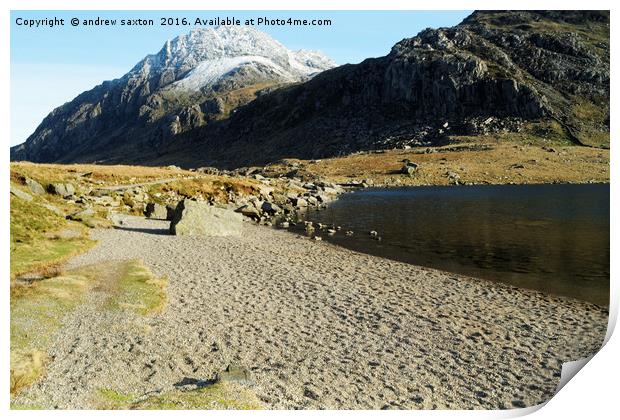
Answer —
(553, 238)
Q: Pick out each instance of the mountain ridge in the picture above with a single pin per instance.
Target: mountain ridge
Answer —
(546, 73)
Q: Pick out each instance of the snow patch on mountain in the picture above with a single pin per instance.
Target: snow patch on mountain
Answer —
(210, 72)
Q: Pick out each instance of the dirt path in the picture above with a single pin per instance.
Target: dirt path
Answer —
(319, 327)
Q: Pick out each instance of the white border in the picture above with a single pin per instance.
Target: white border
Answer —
(594, 391)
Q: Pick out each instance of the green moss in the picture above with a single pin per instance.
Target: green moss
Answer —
(138, 290)
(220, 396)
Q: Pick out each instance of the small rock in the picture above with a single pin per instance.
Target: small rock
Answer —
(53, 209)
(271, 208)
(20, 194)
(234, 373)
(417, 399)
(28, 278)
(82, 215)
(63, 190)
(312, 201)
(481, 394)
(308, 393)
(250, 211)
(35, 187)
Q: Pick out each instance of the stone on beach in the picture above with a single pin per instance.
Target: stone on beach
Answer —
(234, 373)
(195, 218)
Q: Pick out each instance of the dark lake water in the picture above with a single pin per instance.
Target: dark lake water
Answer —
(552, 238)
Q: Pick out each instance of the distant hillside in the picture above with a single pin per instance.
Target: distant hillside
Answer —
(497, 72)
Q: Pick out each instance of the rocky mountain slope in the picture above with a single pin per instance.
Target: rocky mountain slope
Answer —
(544, 73)
(195, 79)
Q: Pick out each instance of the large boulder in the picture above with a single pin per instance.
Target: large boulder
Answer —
(156, 211)
(202, 219)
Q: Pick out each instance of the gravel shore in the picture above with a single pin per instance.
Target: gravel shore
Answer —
(318, 326)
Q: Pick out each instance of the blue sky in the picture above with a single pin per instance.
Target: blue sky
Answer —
(50, 66)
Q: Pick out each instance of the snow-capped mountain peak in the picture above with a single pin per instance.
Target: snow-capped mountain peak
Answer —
(205, 56)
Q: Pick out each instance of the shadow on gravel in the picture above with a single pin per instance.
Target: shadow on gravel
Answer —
(144, 230)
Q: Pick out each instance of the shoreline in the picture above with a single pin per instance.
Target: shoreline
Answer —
(321, 326)
(337, 239)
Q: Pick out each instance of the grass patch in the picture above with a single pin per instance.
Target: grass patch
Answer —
(34, 246)
(38, 309)
(220, 396)
(36, 314)
(138, 290)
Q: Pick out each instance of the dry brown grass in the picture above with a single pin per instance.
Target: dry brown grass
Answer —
(496, 163)
(106, 174)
